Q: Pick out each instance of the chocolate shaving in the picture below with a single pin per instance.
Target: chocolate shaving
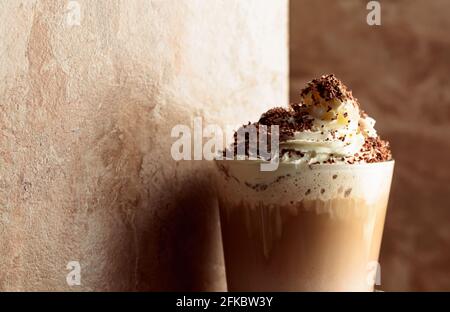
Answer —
(374, 150)
(328, 87)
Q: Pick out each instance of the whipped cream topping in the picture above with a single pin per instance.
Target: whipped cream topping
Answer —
(338, 128)
(326, 126)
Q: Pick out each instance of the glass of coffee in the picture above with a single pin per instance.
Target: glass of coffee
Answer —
(314, 228)
(314, 221)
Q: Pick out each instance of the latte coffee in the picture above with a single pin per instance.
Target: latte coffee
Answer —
(309, 229)
(313, 223)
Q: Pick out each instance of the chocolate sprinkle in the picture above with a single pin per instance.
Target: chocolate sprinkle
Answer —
(328, 87)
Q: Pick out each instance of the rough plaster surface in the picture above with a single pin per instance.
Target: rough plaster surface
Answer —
(85, 119)
(400, 73)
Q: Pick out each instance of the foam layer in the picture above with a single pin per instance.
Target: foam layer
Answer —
(242, 181)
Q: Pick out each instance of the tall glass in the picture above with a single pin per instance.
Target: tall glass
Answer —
(315, 228)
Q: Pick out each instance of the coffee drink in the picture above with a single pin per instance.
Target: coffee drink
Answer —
(316, 222)
(314, 229)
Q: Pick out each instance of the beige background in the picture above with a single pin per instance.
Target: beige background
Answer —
(85, 119)
(400, 73)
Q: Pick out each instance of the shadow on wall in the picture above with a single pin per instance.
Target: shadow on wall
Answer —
(183, 254)
(153, 222)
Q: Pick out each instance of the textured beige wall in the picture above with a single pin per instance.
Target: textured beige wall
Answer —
(400, 73)
(85, 119)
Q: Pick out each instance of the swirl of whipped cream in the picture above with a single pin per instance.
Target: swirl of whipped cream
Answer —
(338, 128)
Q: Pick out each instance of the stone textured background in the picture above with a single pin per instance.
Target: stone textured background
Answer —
(85, 118)
(400, 73)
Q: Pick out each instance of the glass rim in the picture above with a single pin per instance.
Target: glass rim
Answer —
(248, 162)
